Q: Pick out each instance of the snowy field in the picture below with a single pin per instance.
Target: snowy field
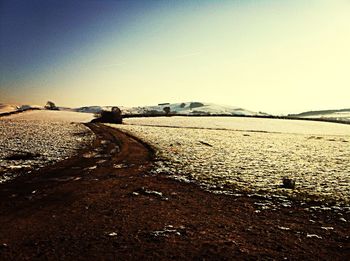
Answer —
(35, 139)
(52, 116)
(255, 158)
(246, 124)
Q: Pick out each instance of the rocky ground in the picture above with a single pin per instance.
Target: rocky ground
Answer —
(106, 204)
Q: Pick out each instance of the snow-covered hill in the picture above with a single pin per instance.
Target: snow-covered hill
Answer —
(6, 108)
(184, 108)
(337, 115)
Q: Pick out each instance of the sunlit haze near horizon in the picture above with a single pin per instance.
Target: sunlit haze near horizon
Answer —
(271, 56)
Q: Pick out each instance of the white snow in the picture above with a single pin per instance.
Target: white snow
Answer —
(48, 136)
(341, 115)
(251, 161)
(186, 108)
(4, 108)
(53, 116)
(246, 124)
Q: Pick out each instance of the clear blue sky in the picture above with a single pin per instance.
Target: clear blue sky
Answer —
(274, 56)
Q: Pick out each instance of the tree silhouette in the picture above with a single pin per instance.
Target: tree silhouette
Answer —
(50, 106)
(113, 116)
(166, 110)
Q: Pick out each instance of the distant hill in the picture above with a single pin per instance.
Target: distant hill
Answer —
(183, 108)
(4, 108)
(192, 109)
(10, 108)
(337, 115)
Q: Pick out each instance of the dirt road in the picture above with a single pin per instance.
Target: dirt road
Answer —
(105, 205)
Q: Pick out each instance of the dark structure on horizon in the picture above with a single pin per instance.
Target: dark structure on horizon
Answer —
(51, 106)
(113, 116)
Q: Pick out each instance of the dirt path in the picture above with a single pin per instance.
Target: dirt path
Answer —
(105, 205)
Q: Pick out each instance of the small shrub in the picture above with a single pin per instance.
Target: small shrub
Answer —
(113, 116)
(166, 110)
(50, 106)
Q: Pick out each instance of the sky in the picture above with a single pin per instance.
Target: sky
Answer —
(267, 55)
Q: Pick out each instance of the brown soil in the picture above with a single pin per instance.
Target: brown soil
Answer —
(70, 212)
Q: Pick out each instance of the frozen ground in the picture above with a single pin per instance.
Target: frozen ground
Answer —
(246, 124)
(52, 116)
(255, 162)
(34, 139)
